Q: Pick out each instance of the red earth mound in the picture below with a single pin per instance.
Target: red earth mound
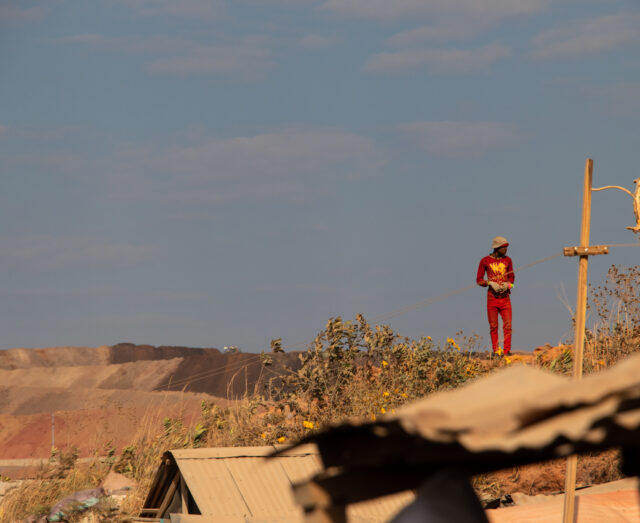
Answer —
(107, 395)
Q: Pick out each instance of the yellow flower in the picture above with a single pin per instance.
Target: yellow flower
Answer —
(507, 359)
(393, 411)
(385, 393)
(373, 417)
(429, 338)
(404, 395)
(601, 362)
(385, 363)
(281, 439)
(263, 435)
(499, 351)
(383, 410)
(308, 424)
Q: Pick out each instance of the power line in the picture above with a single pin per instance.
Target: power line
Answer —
(238, 366)
(198, 376)
(424, 303)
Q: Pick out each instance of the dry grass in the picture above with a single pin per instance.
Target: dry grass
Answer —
(350, 370)
(62, 476)
(549, 477)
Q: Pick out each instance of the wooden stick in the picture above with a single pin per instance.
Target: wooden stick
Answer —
(581, 313)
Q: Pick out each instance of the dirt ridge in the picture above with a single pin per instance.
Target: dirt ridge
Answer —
(119, 385)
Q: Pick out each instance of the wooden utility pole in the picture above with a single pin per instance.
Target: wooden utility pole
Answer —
(584, 251)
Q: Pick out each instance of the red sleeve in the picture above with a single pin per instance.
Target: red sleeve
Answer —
(480, 275)
(510, 276)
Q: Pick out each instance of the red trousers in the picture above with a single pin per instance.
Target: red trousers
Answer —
(501, 306)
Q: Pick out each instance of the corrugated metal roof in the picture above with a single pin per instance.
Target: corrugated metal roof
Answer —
(238, 485)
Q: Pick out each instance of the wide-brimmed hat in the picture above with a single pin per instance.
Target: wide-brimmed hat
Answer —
(498, 242)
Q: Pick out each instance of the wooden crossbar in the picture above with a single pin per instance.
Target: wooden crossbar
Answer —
(591, 250)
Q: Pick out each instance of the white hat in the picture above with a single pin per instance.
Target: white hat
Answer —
(498, 242)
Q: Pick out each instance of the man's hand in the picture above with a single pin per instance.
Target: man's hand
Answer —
(495, 286)
(482, 283)
(499, 288)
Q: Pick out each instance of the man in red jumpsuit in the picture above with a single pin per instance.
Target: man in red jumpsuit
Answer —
(499, 270)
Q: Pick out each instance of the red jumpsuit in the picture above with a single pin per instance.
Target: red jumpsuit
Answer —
(499, 270)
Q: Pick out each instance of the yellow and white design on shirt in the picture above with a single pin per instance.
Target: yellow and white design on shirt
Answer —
(499, 269)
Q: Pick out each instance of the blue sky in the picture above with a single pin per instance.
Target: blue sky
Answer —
(211, 173)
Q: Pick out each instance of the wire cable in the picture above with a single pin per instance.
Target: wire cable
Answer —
(241, 365)
(424, 303)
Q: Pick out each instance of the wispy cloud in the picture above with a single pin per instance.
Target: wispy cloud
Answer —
(50, 252)
(315, 40)
(588, 36)
(453, 29)
(247, 60)
(11, 14)
(60, 161)
(245, 57)
(442, 61)
(385, 9)
(271, 153)
(279, 165)
(459, 137)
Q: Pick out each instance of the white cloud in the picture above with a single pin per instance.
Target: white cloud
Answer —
(593, 35)
(51, 252)
(385, 9)
(459, 137)
(443, 61)
(246, 57)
